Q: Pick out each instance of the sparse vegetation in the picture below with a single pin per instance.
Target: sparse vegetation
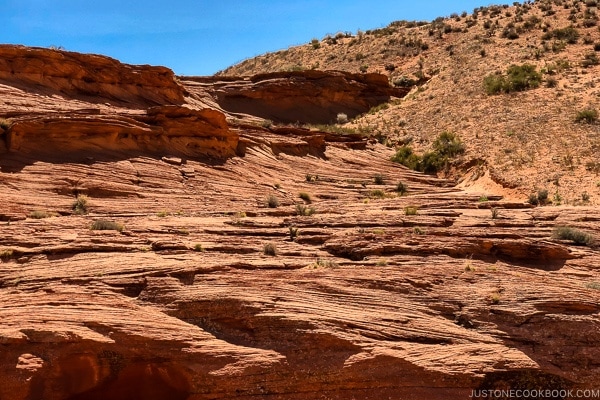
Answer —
(446, 146)
(106, 225)
(198, 247)
(518, 78)
(306, 197)
(270, 249)
(303, 210)
(587, 116)
(272, 201)
(37, 214)
(411, 210)
(293, 233)
(80, 205)
(575, 235)
(6, 254)
(379, 179)
(401, 188)
(377, 194)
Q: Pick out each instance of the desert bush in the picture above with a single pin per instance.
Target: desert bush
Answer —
(293, 233)
(379, 179)
(569, 34)
(305, 211)
(80, 205)
(6, 254)
(575, 235)
(377, 194)
(405, 156)
(315, 44)
(198, 247)
(411, 210)
(401, 188)
(305, 196)
(588, 116)
(590, 59)
(37, 214)
(272, 201)
(518, 78)
(447, 144)
(270, 249)
(106, 225)
(342, 118)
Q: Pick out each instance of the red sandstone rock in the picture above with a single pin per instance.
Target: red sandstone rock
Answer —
(363, 302)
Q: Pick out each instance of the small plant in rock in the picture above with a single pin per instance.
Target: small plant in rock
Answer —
(533, 199)
(6, 254)
(587, 116)
(495, 213)
(270, 249)
(483, 199)
(575, 235)
(106, 225)
(379, 179)
(162, 214)
(37, 214)
(401, 188)
(272, 201)
(80, 205)
(377, 194)
(542, 196)
(305, 211)
(198, 247)
(411, 210)
(306, 197)
(293, 233)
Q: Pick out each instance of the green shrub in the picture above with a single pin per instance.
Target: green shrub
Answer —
(106, 225)
(588, 116)
(270, 249)
(405, 156)
(80, 205)
(446, 146)
(569, 34)
(272, 201)
(575, 235)
(518, 78)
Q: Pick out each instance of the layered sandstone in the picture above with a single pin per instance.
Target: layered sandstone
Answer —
(361, 301)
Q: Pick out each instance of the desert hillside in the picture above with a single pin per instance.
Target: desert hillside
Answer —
(224, 237)
(517, 143)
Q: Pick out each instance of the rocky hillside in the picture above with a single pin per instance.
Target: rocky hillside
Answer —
(162, 239)
(517, 143)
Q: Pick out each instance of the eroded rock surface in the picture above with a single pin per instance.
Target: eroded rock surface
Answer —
(362, 299)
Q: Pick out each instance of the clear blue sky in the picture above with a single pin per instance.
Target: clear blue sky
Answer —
(198, 37)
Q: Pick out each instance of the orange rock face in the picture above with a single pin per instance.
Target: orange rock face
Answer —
(303, 96)
(216, 260)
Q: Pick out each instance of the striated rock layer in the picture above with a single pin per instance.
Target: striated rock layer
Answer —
(206, 292)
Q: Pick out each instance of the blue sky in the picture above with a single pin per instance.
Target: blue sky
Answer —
(200, 37)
